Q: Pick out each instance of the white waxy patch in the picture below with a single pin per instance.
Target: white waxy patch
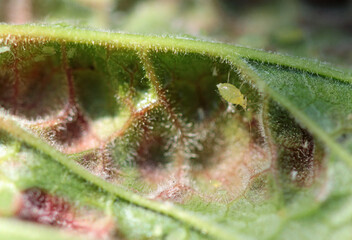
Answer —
(3, 151)
(4, 49)
(149, 98)
(294, 175)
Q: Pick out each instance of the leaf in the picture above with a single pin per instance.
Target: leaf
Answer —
(125, 136)
(10, 230)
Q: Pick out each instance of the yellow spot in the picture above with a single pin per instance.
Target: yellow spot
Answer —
(216, 184)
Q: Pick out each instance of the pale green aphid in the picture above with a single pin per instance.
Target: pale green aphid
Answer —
(232, 94)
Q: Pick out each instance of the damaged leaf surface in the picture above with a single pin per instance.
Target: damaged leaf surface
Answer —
(112, 135)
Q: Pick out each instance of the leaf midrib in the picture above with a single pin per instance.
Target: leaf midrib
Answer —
(9, 125)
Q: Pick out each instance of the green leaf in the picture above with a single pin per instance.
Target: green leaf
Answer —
(17, 230)
(129, 130)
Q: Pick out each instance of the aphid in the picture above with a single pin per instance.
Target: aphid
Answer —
(232, 94)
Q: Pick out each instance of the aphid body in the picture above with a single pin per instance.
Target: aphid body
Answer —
(232, 94)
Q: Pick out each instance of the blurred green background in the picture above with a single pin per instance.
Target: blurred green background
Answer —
(319, 29)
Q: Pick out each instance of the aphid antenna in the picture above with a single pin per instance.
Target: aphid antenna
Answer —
(241, 85)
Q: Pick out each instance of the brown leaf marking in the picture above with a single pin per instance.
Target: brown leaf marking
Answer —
(173, 191)
(41, 207)
(299, 160)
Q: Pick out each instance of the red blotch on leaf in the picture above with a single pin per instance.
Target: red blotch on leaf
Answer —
(41, 207)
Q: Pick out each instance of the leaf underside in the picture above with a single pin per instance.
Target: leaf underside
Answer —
(129, 132)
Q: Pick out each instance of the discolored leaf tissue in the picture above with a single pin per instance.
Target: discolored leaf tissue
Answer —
(117, 136)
